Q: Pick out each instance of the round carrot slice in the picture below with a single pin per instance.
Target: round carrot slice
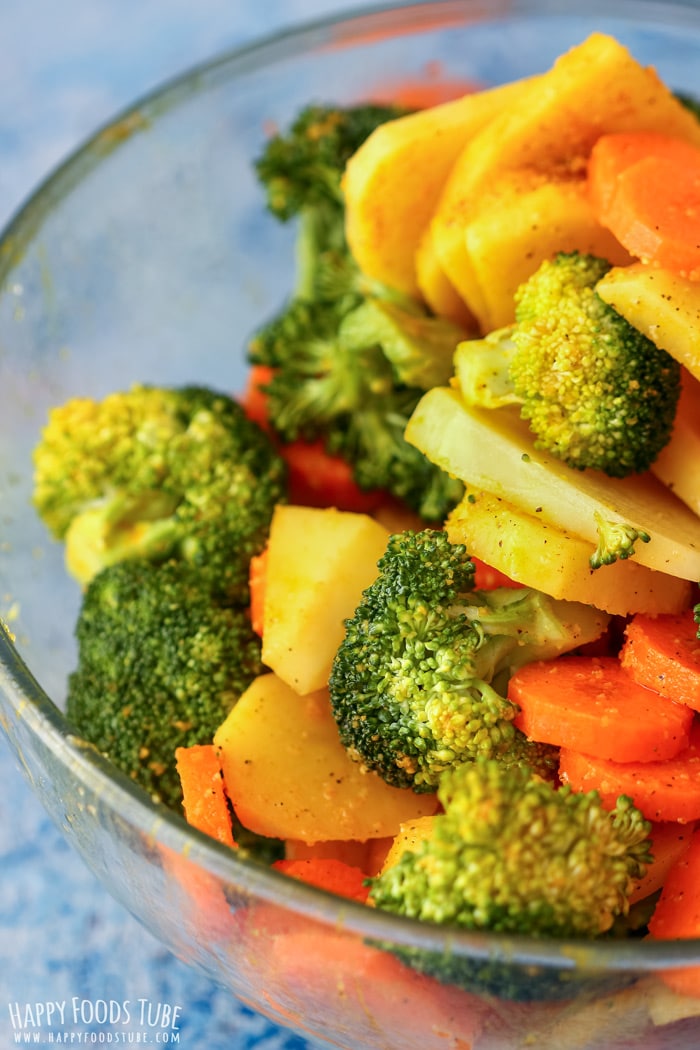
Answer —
(590, 704)
(663, 653)
(646, 190)
(614, 153)
(662, 791)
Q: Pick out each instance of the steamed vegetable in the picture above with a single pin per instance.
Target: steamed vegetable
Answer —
(567, 363)
(417, 684)
(158, 473)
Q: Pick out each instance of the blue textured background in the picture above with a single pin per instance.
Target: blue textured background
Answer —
(65, 69)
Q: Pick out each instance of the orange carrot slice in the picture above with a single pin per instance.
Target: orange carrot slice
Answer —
(257, 579)
(677, 914)
(204, 797)
(319, 479)
(329, 874)
(663, 653)
(615, 153)
(669, 841)
(253, 398)
(650, 200)
(590, 704)
(668, 790)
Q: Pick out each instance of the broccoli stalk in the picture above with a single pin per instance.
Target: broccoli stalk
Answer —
(158, 473)
(418, 682)
(515, 853)
(160, 664)
(350, 357)
(596, 391)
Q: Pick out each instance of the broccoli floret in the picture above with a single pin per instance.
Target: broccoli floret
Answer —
(616, 539)
(595, 391)
(418, 682)
(350, 357)
(159, 473)
(516, 854)
(336, 377)
(160, 665)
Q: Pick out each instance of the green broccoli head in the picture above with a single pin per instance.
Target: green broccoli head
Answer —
(160, 665)
(350, 378)
(303, 167)
(595, 391)
(158, 473)
(516, 854)
(418, 682)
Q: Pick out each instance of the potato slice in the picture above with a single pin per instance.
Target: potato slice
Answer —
(523, 220)
(494, 450)
(318, 563)
(392, 183)
(661, 304)
(678, 464)
(595, 88)
(557, 562)
(288, 775)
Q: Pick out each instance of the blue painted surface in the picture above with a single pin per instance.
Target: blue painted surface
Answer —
(66, 68)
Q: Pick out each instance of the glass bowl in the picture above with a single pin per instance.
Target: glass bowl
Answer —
(148, 256)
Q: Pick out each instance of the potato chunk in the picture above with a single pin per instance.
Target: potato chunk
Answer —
(318, 563)
(288, 775)
(522, 221)
(392, 183)
(593, 89)
(493, 450)
(678, 464)
(661, 304)
(557, 562)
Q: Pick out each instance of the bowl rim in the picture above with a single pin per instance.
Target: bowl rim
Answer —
(27, 699)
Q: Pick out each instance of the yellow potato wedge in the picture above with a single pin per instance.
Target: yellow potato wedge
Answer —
(663, 305)
(288, 775)
(318, 563)
(552, 560)
(678, 464)
(594, 88)
(437, 290)
(409, 837)
(493, 450)
(523, 220)
(392, 183)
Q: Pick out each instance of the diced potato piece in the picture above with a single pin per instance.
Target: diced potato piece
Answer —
(663, 305)
(319, 561)
(409, 837)
(540, 555)
(493, 450)
(392, 183)
(678, 464)
(593, 89)
(522, 221)
(288, 775)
